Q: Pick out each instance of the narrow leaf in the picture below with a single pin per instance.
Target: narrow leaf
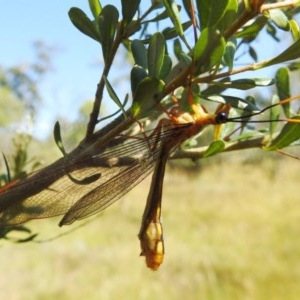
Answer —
(156, 54)
(95, 7)
(290, 53)
(58, 139)
(173, 12)
(283, 87)
(295, 30)
(113, 94)
(235, 102)
(214, 148)
(229, 53)
(246, 84)
(251, 31)
(166, 67)
(274, 114)
(289, 134)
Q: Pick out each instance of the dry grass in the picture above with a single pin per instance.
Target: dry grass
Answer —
(232, 232)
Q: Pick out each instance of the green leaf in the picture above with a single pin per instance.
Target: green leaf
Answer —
(272, 31)
(148, 94)
(83, 23)
(289, 134)
(209, 50)
(113, 94)
(229, 15)
(214, 148)
(279, 19)
(129, 9)
(137, 74)
(213, 89)
(58, 139)
(108, 22)
(95, 7)
(173, 13)
(295, 30)
(246, 84)
(166, 67)
(171, 33)
(139, 53)
(178, 68)
(210, 12)
(283, 87)
(156, 54)
(177, 49)
(253, 53)
(274, 114)
(290, 53)
(235, 102)
(229, 53)
(251, 31)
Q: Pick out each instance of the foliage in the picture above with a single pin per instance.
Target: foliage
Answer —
(208, 49)
(206, 39)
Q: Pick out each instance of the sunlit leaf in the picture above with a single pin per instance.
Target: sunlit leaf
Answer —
(295, 30)
(83, 23)
(279, 19)
(246, 84)
(209, 50)
(289, 134)
(214, 148)
(251, 31)
(274, 114)
(229, 15)
(235, 102)
(147, 96)
(173, 13)
(290, 53)
(229, 53)
(95, 7)
(210, 12)
(156, 54)
(283, 87)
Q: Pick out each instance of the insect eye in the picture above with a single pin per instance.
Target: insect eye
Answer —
(221, 118)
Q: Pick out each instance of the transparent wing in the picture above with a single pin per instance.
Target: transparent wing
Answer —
(118, 166)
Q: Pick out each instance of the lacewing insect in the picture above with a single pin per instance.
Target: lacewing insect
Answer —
(84, 183)
(151, 232)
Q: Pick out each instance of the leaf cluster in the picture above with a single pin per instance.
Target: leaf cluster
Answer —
(199, 50)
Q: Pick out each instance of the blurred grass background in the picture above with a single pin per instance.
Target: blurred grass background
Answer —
(232, 231)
